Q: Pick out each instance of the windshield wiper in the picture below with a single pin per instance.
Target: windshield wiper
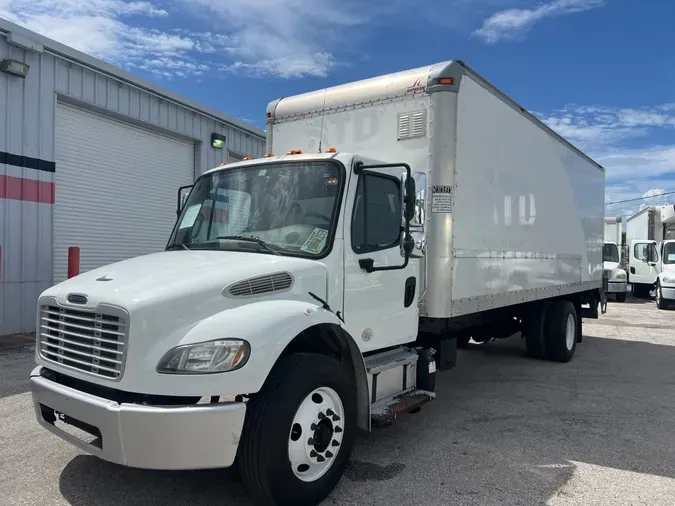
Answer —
(249, 239)
(177, 245)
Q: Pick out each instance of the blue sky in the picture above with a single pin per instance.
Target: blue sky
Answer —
(600, 72)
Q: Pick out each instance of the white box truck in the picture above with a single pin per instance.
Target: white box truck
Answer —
(612, 258)
(651, 236)
(307, 294)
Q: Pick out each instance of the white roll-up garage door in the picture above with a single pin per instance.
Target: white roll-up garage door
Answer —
(116, 188)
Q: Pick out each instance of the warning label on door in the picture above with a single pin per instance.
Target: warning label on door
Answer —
(441, 199)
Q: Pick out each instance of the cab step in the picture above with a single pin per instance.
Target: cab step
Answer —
(385, 411)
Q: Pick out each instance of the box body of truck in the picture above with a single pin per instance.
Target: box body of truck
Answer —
(513, 212)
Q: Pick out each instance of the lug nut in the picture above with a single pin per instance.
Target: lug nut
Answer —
(336, 418)
(313, 454)
(313, 426)
(330, 412)
(310, 441)
(338, 429)
(321, 416)
(329, 455)
(321, 458)
(335, 443)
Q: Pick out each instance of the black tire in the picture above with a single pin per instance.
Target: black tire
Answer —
(557, 348)
(621, 297)
(263, 453)
(535, 330)
(463, 342)
(660, 303)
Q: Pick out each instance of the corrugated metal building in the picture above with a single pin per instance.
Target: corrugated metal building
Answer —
(90, 156)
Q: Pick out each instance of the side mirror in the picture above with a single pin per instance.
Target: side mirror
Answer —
(419, 240)
(183, 194)
(409, 199)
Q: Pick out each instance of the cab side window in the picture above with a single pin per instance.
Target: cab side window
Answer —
(377, 216)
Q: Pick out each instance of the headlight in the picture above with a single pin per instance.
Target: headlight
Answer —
(668, 279)
(618, 276)
(205, 358)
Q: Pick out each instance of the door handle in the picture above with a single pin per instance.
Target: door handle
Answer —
(632, 270)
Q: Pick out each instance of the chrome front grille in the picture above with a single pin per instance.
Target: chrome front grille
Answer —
(90, 341)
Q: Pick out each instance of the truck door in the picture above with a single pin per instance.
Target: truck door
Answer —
(380, 306)
(643, 263)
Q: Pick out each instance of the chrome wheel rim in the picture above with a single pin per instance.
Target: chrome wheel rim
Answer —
(570, 331)
(316, 434)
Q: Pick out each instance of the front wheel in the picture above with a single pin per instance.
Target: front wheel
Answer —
(299, 431)
(660, 303)
(621, 297)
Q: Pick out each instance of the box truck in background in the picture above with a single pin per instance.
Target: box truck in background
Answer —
(613, 259)
(646, 232)
(393, 220)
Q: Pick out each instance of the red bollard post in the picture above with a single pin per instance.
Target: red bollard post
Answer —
(73, 261)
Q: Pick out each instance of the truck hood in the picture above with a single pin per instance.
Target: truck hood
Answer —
(610, 265)
(158, 277)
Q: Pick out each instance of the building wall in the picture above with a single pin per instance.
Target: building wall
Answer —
(27, 154)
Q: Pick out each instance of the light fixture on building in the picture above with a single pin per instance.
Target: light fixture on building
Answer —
(14, 67)
(218, 141)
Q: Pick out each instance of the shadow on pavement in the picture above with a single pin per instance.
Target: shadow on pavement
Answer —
(88, 480)
(504, 430)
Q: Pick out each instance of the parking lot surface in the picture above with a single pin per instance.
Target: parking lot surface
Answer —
(504, 430)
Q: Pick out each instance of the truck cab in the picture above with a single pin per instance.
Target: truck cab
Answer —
(665, 283)
(618, 282)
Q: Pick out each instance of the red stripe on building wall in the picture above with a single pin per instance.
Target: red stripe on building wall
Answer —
(29, 190)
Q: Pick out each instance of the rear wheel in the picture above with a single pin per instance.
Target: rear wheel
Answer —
(562, 331)
(535, 330)
(299, 431)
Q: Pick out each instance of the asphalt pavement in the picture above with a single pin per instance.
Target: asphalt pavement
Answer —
(504, 430)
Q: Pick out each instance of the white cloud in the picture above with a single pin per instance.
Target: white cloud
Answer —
(101, 28)
(513, 23)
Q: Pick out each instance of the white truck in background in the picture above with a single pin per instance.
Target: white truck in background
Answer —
(612, 258)
(318, 290)
(651, 236)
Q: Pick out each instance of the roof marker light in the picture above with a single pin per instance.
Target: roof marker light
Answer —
(331, 150)
(295, 152)
(446, 80)
(269, 155)
(248, 158)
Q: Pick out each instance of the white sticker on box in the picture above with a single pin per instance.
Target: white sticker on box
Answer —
(441, 199)
(432, 367)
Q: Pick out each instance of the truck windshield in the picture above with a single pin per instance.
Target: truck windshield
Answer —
(610, 253)
(289, 208)
(669, 253)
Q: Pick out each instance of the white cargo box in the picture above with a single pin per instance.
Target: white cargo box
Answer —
(514, 213)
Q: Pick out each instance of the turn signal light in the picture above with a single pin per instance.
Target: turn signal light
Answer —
(295, 152)
(446, 80)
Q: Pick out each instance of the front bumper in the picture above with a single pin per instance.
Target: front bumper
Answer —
(617, 287)
(149, 437)
(668, 293)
